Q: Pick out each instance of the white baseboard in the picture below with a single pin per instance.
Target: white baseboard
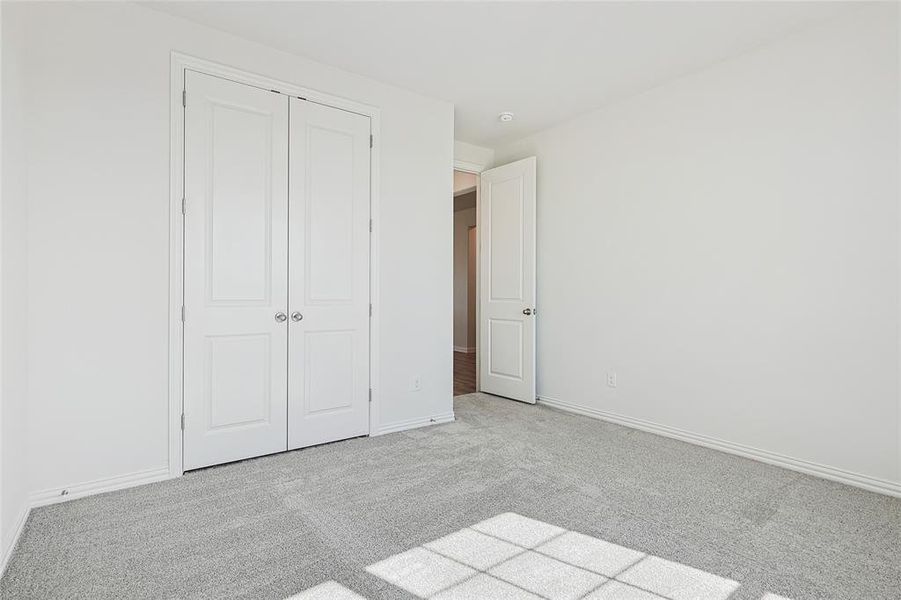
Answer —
(414, 423)
(109, 484)
(6, 553)
(98, 486)
(465, 349)
(873, 484)
(80, 490)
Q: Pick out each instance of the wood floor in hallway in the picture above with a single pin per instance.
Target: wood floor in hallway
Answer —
(464, 373)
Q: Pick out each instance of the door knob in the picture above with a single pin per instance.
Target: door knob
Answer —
(281, 317)
(527, 311)
(296, 316)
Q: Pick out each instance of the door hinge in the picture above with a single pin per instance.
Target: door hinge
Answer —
(184, 98)
(370, 225)
(370, 394)
(370, 309)
(184, 206)
(371, 140)
(182, 313)
(182, 421)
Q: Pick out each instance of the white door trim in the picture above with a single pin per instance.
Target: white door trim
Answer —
(178, 63)
(469, 167)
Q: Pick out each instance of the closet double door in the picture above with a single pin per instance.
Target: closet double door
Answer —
(276, 272)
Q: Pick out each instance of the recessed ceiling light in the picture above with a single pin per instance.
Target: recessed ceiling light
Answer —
(505, 117)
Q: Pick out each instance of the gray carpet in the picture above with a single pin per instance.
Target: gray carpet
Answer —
(272, 527)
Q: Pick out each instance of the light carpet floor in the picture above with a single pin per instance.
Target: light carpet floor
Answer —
(273, 527)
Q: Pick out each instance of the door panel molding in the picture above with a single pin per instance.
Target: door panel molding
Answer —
(236, 271)
(179, 64)
(507, 241)
(328, 380)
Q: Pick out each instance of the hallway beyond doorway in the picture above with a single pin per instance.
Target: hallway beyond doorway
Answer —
(464, 373)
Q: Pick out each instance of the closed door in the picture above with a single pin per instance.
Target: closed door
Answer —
(276, 329)
(328, 375)
(236, 271)
(507, 309)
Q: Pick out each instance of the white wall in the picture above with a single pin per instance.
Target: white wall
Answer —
(13, 216)
(463, 220)
(473, 155)
(728, 243)
(98, 89)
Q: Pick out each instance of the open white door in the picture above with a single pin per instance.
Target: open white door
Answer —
(236, 271)
(507, 286)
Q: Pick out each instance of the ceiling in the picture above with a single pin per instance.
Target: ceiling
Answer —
(546, 62)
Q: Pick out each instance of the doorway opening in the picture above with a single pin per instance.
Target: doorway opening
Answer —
(494, 280)
(466, 298)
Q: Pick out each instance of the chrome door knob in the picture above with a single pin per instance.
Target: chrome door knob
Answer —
(281, 317)
(296, 316)
(527, 311)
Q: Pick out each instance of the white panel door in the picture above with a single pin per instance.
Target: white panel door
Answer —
(328, 354)
(236, 236)
(507, 272)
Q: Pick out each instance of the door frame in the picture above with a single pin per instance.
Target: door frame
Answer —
(180, 62)
(475, 169)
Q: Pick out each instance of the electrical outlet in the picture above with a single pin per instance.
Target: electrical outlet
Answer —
(415, 383)
(611, 379)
